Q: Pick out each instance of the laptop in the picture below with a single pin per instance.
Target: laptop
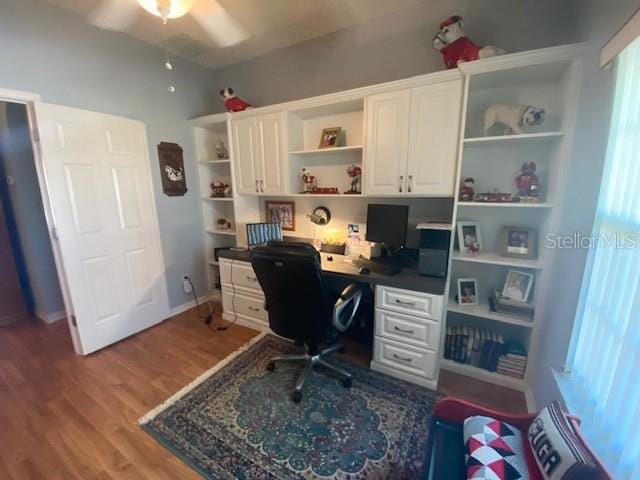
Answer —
(262, 233)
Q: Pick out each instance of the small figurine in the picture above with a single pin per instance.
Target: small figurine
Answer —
(355, 173)
(513, 117)
(456, 47)
(308, 181)
(231, 102)
(220, 189)
(466, 191)
(224, 224)
(528, 183)
(221, 151)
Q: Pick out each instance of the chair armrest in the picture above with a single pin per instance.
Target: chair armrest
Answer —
(346, 307)
(455, 410)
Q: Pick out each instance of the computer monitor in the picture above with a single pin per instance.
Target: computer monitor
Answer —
(262, 233)
(387, 224)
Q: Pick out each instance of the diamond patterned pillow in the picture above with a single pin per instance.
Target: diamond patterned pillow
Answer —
(494, 450)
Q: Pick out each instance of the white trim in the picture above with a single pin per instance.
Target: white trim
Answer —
(188, 306)
(51, 317)
(18, 96)
(529, 400)
(622, 38)
(186, 389)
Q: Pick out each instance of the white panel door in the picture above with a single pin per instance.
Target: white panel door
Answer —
(387, 132)
(99, 185)
(271, 156)
(434, 138)
(245, 155)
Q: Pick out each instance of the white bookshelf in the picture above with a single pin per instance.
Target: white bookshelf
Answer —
(494, 161)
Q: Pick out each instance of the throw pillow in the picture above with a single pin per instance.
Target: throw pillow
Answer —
(559, 452)
(494, 450)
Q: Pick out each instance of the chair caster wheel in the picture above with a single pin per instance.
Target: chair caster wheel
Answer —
(271, 366)
(346, 383)
(296, 397)
(342, 349)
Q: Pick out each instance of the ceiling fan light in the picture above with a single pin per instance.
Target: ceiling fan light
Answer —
(175, 8)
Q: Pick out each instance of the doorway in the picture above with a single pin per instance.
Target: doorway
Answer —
(28, 255)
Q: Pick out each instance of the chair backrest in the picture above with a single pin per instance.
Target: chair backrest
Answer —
(298, 300)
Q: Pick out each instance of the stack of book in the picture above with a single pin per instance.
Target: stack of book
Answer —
(474, 346)
(501, 304)
(514, 362)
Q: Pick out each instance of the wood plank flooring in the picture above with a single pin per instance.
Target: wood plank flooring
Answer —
(65, 417)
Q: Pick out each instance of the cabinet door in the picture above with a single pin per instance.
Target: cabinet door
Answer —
(244, 155)
(434, 138)
(387, 132)
(270, 153)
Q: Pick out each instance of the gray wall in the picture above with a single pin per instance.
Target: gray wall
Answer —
(394, 47)
(28, 211)
(598, 22)
(56, 54)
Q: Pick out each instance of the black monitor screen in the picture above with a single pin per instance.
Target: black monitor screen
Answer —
(387, 224)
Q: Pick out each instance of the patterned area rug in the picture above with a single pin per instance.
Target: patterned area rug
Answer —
(238, 421)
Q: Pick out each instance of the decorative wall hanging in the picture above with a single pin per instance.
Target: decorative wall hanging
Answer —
(174, 181)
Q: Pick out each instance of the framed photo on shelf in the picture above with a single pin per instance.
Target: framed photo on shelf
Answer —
(283, 213)
(469, 238)
(329, 137)
(518, 242)
(518, 285)
(467, 291)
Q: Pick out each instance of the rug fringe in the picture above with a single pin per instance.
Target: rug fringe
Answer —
(187, 388)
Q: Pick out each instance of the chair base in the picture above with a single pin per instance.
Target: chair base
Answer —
(310, 361)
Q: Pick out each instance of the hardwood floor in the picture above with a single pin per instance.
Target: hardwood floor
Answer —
(65, 417)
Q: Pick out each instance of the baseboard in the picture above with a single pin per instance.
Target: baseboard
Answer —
(51, 317)
(188, 305)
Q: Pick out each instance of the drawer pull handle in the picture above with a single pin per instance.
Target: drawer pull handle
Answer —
(253, 279)
(254, 309)
(410, 332)
(398, 357)
(408, 304)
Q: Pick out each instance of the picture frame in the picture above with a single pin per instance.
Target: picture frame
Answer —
(467, 291)
(330, 137)
(518, 242)
(518, 285)
(281, 212)
(174, 180)
(469, 238)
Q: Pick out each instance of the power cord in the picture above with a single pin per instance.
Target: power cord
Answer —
(233, 302)
(207, 318)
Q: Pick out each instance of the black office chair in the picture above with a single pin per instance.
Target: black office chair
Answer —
(301, 306)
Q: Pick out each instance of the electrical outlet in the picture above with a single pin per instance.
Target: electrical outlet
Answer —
(186, 284)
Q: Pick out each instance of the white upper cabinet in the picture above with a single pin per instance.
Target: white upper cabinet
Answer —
(412, 140)
(258, 148)
(387, 143)
(434, 138)
(243, 132)
(271, 156)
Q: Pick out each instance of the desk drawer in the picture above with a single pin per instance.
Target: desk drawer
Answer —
(404, 358)
(410, 302)
(244, 305)
(240, 274)
(421, 332)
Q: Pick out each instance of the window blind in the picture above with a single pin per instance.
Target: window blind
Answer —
(604, 359)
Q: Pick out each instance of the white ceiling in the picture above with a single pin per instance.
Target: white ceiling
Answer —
(271, 24)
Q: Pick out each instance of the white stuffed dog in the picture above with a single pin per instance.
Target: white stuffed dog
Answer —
(513, 117)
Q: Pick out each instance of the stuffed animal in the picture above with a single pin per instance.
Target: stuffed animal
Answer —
(456, 47)
(221, 150)
(527, 182)
(231, 102)
(467, 192)
(513, 117)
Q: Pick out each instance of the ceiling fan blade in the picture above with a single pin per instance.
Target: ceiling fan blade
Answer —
(114, 14)
(219, 25)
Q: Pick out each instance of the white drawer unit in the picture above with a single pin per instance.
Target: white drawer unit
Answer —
(399, 356)
(421, 332)
(243, 304)
(239, 275)
(409, 302)
(242, 297)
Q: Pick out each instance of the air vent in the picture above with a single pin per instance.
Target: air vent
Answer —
(187, 46)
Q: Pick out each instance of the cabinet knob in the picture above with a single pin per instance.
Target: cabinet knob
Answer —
(400, 185)
(262, 186)
(257, 191)
(404, 359)
(409, 182)
(401, 330)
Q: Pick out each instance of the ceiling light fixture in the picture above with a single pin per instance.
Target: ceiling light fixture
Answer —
(167, 9)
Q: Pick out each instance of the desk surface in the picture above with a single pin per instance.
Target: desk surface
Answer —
(408, 278)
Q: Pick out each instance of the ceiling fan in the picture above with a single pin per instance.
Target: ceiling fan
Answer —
(221, 27)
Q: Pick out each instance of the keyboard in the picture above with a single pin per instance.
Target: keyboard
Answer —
(382, 267)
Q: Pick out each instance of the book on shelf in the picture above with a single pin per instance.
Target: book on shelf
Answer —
(507, 306)
(474, 346)
(513, 362)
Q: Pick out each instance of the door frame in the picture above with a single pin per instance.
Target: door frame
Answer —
(29, 99)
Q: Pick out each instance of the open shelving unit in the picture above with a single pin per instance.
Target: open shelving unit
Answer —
(494, 161)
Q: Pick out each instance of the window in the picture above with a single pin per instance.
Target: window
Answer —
(604, 359)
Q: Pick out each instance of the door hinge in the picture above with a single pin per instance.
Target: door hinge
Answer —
(73, 321)
(36, 135)
(54, 233)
